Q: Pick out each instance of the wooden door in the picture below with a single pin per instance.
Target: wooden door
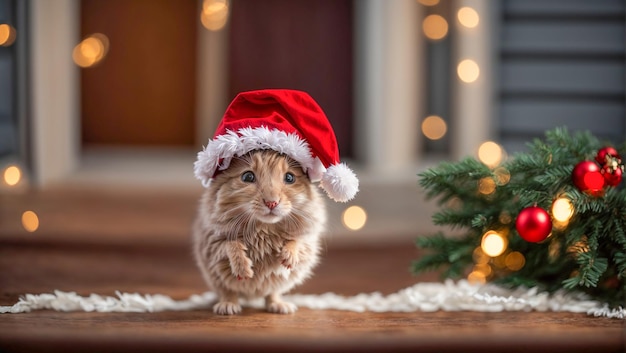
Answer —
(299, 44)
(143, 92)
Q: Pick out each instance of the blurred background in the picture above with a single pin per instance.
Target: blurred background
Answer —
(105, 103)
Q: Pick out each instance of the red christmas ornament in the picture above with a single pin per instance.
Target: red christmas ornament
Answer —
(588, 178)
(612, 167)
(605, 152)
(612, 175)
(533, 224)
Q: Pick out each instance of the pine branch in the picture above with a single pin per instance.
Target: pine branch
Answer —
(588, 254)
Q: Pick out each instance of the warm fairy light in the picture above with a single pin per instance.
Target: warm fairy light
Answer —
(514, 261)
(435, 27)
(490, 153)
(30, 221)
(502, 176)
(505, 217)
(485, 269)
(214, 14)
(434, 127)
(7, 35)
(562, 209)
(493, 244)
(12, 175)
(354, 218)
(477, 277)
(468, 71)
(91, 50)
(468, 17)
(479, 256)
(428, 2)
(486, 186)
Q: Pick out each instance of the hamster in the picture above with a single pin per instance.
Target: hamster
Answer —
(258, 231)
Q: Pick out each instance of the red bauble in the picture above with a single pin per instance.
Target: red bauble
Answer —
(533, 224)
(588, 178)
(603, 152)
(612, 175)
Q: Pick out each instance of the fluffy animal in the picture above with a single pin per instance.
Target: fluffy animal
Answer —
(261, 217)
(258, 230)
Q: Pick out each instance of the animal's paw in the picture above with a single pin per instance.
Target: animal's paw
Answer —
(281, 307)
(289, 256)
(242, 268)
(226, 308)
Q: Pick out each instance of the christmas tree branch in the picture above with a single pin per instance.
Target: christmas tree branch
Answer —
(587, 252)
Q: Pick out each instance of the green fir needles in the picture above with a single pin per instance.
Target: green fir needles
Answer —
(586, 248)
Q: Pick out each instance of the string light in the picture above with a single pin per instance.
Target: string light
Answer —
(477, 277)
(468, 71)
(505, 217)
(12, 175)
(486, 186)
(468, 17)
(502, 176)
(7, 35)
(490, 153)
(434, 127)
(479, 256)
(91, 50)
(435, 27)
(493, 244)
(354, 217)
(428, 2)
(562, 212)
(30, 221)
(214, 15)
(514, 261)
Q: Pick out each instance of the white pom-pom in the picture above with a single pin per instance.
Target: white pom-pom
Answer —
(202, 168)
(340, 183)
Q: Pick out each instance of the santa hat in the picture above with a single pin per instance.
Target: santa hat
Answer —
(288, 122)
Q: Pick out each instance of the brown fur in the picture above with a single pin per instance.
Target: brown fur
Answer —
(244, 248)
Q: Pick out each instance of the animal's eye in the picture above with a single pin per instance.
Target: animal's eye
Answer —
(290, 178)
(248, 177)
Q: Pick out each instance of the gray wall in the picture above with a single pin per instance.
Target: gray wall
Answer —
(561, 64)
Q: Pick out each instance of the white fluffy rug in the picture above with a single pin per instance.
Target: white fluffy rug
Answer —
(425, 297)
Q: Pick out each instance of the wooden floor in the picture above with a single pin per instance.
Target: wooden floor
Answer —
(29, 265)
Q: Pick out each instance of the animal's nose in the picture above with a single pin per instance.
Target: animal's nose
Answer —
(271, 204)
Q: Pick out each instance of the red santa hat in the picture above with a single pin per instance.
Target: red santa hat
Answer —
(286, 121)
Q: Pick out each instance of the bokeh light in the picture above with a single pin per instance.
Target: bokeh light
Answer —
(479, 256)
(486, 186)
(477, 277)
(434, 127)
(485, 269)
(468, 71)
(214, 15)
(30, 221)
(435, 27)
(7, 35)
(468, 17)
(12, 175)
(428, 2)
(354, 218)
(490, 153)
(502, 176)
(562, 209)
(91, 50)
(514, 261)
(493, 244)
(505, 217)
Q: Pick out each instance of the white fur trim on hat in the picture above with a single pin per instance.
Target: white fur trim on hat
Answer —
(234, 144)
(340, 183)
